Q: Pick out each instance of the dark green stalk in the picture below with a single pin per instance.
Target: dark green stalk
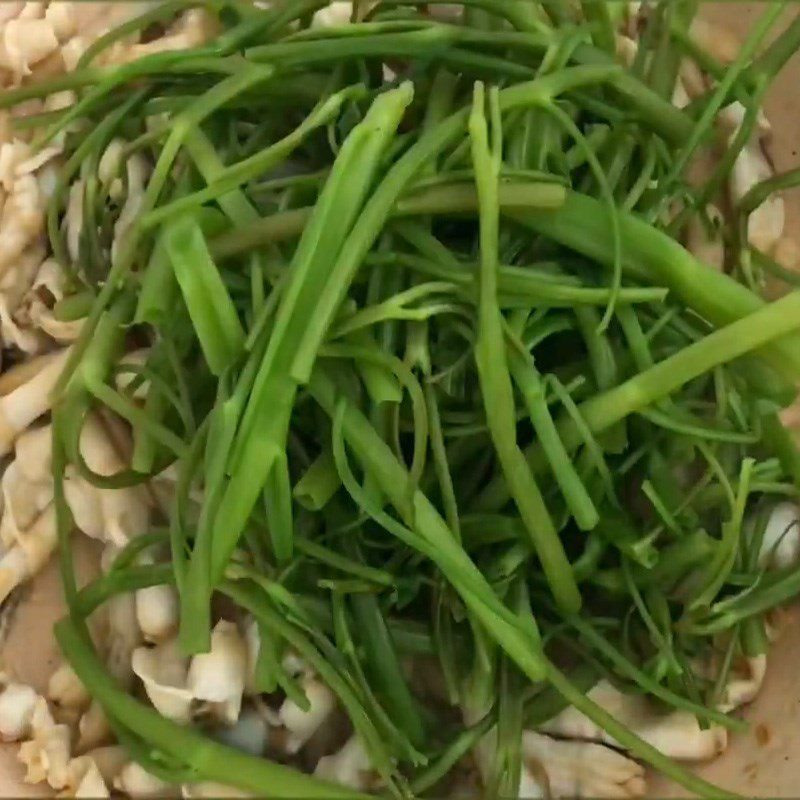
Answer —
(496, 386)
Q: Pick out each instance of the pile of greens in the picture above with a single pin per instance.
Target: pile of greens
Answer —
(421, 329)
